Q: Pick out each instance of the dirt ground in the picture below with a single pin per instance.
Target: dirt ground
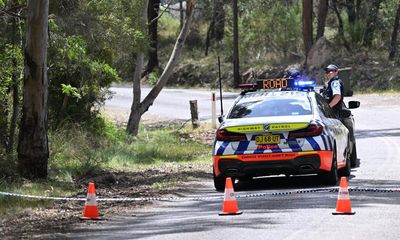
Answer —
(60, 216)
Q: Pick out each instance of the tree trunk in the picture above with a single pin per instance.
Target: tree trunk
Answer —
(33, 151)
(393, 42)
(208, 38)
(340, 28)
(153, 10)
(351, 12)
(16, 40)
(139, 108)
(236, 74)
(322, 13)
(371, 22)
(217, 24)
(3, 125)
(307, 25)
(181, 14)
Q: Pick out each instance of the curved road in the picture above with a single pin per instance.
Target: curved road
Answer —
(169, 101)
(296, 216)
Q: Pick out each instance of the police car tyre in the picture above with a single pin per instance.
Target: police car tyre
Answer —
(345, 172)
(246, 178)
(353, 156)
(332, 177)
(219, 182)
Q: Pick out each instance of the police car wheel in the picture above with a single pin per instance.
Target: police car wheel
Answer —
(345, 172)
(219, 182)
(332, 177)
(353, 157)
(246, 178)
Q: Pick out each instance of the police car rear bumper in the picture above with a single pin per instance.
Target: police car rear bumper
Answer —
(273, 164)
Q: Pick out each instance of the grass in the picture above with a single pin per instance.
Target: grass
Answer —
(10, 205)
(77, 150)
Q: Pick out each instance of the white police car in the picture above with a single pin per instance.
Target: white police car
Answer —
(290, 130)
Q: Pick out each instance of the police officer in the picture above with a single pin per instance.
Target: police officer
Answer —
(334, 91)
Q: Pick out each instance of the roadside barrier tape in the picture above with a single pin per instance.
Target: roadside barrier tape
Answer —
(249, 195)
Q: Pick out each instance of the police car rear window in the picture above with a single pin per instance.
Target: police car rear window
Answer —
(271, 107)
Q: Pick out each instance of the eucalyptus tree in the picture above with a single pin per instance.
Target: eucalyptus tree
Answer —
(139, 107)
(33, 150)
(322, 13)
(393, 42)
(152, 15)
(217, 24)
(307, 25)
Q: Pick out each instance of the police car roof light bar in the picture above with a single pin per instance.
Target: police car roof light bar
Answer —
(245, 86)
(286, 84)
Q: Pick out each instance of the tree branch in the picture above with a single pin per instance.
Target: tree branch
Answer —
(173, 60)
(13, 11)
(160, 15)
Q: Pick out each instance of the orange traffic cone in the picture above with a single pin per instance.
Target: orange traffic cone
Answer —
(230, 206)
(90, 211)
(343, 205)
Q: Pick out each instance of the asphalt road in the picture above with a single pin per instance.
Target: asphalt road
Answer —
(171, 104)
(295, 216)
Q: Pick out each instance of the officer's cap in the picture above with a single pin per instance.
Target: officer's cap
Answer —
(331, 67)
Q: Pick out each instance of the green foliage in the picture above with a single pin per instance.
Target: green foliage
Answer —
(74, 73)
(168, 28)
(268, 30)
(9, 205)
(356, 31)
(11, 62)
(118, 31)
(80, 149)
(70, 91)
(153, 77)
(77, 149)
(385, 23)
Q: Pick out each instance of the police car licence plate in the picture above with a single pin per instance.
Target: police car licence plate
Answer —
(268, 139)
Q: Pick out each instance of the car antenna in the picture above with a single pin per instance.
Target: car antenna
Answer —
(220, 85)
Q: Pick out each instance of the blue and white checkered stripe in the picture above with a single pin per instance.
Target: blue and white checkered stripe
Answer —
(319, 143)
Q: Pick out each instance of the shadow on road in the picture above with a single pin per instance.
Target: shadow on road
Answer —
(392, 132)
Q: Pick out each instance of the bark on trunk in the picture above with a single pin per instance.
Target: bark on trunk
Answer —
(322, 13)
(136, 114)
(139, 108)
(33, 149)
(153, 10)
(307, 26)
(3, 126)
(393, 42)
(134, 117)
(181, 14)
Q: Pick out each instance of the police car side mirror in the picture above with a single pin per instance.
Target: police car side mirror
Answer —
(220, 119)
(344, 113)
(354, 104)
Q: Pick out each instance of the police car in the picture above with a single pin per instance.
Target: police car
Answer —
(283, 127)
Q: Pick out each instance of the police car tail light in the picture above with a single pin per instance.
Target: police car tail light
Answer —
(223, 135)
(310, 131)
